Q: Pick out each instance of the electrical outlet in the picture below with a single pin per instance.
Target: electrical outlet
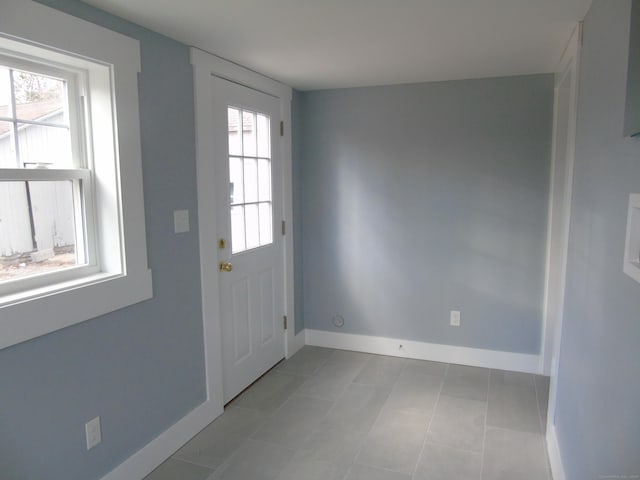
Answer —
(454, 318)
(93, 433)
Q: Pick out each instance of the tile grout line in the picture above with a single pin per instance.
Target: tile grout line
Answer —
(486, 421)
(433, 414)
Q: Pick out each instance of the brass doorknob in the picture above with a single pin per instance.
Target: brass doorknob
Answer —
(226, 266)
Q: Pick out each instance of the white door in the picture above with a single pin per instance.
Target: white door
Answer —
(249, 196)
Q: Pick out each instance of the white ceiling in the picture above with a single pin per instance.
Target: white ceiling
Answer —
(313, 44)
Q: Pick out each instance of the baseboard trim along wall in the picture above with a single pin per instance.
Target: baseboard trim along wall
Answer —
(553, 449)
(149, 457)
(477, 357)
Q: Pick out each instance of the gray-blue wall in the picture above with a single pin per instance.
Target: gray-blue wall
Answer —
(597, 418)
(421, 199)
(296, 158)
(141, 368)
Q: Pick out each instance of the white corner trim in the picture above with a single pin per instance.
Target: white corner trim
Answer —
(476, 357)
(147, 459)
(553, 449)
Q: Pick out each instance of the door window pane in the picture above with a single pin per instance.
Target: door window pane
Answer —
(238, 243)
(38, 231)
(253, 228)
(236, 180)
(266, 226)
(264, 133)
(264, 180)
(235, 139)
(250, 179)
(249, 134)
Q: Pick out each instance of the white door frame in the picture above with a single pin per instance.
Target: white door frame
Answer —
(551, 339)
(204, 66)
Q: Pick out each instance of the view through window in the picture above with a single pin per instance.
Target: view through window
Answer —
(249, 179)
(41, 224)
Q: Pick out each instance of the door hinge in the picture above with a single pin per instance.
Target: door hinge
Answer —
(281, 128)
(284, 318)
(284, 227)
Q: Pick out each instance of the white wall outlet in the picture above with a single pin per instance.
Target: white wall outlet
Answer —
(454, 318)
(180, 221)
(93, 433)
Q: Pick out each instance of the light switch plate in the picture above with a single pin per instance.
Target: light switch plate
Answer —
(93, 432)
(181, 221)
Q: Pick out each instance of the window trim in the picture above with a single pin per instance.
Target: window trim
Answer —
(112, 61)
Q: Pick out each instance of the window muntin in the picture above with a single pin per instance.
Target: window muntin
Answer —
(251, 209)
(45, 187)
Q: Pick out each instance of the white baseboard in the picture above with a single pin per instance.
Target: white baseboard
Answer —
(147, 459)
(553, 449)
(296, 344)
(477, 357)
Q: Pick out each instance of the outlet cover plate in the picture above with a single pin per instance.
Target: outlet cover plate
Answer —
(454, 318)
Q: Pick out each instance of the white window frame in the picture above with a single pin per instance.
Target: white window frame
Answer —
(111, 62)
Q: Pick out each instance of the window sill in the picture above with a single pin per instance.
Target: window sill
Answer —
(69, 303)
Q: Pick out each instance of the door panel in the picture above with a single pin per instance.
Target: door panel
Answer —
(249, 205)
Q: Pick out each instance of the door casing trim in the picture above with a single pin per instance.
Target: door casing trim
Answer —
(204, 66)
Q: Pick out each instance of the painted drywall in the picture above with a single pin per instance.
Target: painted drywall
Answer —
(425, 198)
(141, 368)
(296, 159)
(598, 391)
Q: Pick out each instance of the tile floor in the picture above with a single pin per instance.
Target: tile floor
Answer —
(336, 415)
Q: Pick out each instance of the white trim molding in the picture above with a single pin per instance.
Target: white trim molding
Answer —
(147, 459)
(476, 357)
(206, 65)
(553, 450)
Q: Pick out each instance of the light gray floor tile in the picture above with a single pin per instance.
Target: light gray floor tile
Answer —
(364, 472)
(348, 356)
(294, 422)
(444, 463)
(516, 379)
(358, 407)
(381, 371)
(334, 376)
(466, 382)
(213, 445)
(270, 392)
(513, 407)
(415, 393)
(175, 469)
(395, 441)
(331, 444)
(254, 460)
(306, 361)
(309, 469)
(510, 455)
(425, 367)
(458, 423)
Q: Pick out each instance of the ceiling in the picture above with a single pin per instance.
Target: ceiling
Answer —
(314, 44)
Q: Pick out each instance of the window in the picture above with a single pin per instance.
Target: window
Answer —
(72, 234)
(46, 195)
(249, 179)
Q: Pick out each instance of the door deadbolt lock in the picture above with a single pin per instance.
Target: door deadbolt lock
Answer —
(222, 244)
(226, 266)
